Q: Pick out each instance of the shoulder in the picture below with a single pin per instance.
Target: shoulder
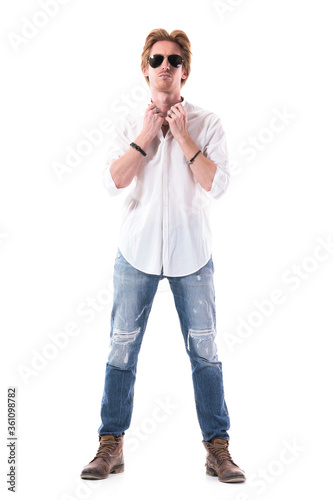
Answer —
(208, 118)
(129, 122)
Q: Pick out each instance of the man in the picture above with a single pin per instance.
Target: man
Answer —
(175, 156)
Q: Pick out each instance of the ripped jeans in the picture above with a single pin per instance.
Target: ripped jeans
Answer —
(194, 298)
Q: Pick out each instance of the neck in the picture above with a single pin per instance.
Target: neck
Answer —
(164, 101)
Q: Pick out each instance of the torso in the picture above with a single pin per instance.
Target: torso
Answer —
(165, 129)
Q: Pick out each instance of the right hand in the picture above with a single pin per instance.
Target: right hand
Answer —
(152, 122)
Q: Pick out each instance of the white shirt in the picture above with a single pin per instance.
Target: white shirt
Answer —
(165, 220)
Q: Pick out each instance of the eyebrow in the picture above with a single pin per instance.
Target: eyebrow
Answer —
(159, 54)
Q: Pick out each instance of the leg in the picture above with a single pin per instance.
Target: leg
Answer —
(194, 297)
(134, 293)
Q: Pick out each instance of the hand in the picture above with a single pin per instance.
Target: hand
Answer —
(152, 122)
(177, 121)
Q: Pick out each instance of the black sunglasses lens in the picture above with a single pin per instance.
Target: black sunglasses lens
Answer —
(155, 61)
(176, 61)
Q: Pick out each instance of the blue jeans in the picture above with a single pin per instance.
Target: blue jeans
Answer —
(194, 297)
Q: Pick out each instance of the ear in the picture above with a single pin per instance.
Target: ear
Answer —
(145, 71)
(184, 75)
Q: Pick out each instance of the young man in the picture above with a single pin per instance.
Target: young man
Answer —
(176, 155)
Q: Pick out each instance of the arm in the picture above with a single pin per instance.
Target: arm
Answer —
(213, 176)
(124, 169)
(203, 169)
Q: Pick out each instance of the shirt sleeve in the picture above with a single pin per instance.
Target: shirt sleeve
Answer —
(216, 150)
(119, 143)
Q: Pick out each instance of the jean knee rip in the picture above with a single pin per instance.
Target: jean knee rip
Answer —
(121, 346)
(124, 337)
(202, 343)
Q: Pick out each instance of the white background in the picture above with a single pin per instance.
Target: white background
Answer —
(58, 238)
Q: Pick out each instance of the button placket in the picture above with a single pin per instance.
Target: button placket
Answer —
(165, 212)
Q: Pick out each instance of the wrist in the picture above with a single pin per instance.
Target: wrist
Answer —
(143, 140)
(137, 147)
(185, 142)
(188, 147)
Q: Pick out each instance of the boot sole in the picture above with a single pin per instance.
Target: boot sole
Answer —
(236, 479)
(116, 470)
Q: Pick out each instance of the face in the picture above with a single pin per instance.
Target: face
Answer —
(165, 77)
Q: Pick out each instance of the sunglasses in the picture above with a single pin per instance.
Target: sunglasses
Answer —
(156, 60)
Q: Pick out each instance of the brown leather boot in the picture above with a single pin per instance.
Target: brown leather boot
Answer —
(108, 460)
(219, 462)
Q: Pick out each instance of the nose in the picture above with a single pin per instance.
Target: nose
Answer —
(165, 63)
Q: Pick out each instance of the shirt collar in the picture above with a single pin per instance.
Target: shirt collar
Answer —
(182, 102)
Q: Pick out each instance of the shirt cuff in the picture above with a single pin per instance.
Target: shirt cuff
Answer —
(220, 183)
(109, 183)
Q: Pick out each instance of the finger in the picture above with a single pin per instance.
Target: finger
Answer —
(183, 111)
(180, 108)
(176, 111)
(160, 121)
(151, 107)
(152, 115)
(170, 121)
(157, 118)
(155, 110)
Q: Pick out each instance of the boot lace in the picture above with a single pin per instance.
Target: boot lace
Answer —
(221, 451)
(105, 450)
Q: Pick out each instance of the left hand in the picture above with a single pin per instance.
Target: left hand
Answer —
(177, 121)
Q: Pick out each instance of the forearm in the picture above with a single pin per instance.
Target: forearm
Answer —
(203, 169)
(126, 167)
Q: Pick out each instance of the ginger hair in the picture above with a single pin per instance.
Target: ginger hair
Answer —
(176, 36)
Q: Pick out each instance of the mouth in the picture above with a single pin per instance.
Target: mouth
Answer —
(164, 75)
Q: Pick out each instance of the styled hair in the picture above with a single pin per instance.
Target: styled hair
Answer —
(176, 36)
